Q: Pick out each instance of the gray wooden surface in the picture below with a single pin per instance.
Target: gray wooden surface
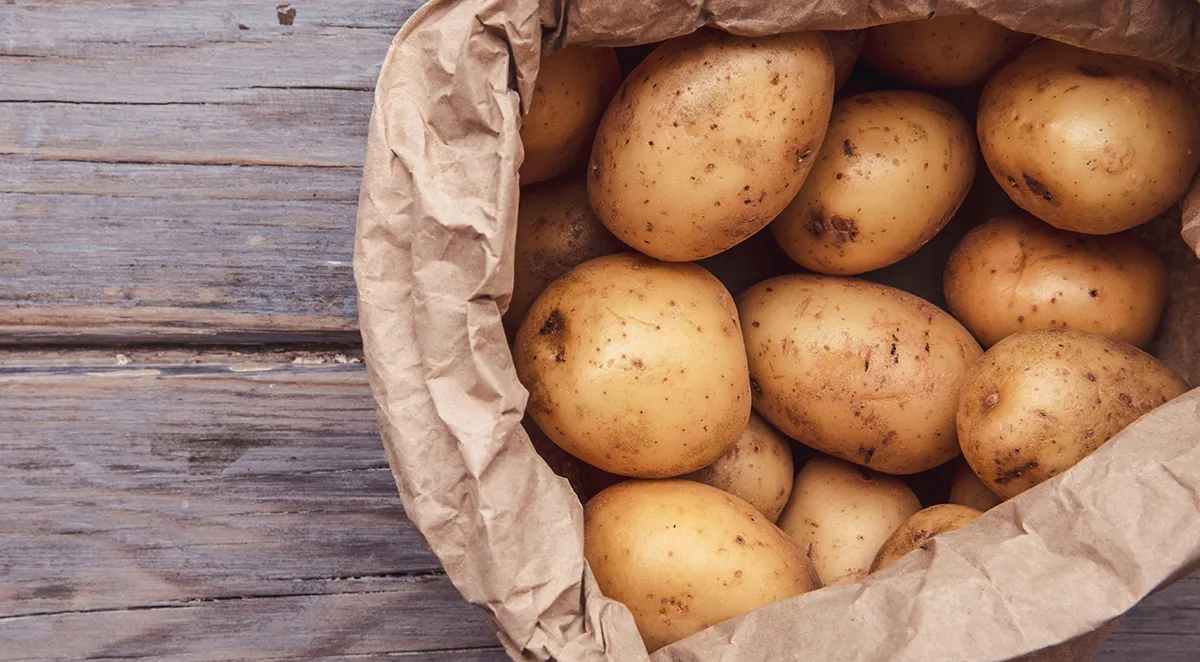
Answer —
(176, 178)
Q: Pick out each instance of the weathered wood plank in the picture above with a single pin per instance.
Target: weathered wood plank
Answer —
(186, 265)
(418, 615)
(305, 127)
(135, 124)
(129, 482)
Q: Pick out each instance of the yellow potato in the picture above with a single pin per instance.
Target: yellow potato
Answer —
(840, 514)
(708, 139)
(1040, 401)
(683, 556)
(945, 51)
(758, 469)
(845, 46)
(860, 371)
(893, 169)
(967, 490)
(1016, 273)
(913, 534)
(556, 231)
(572, 90)
(1089, 142)
(636, 366)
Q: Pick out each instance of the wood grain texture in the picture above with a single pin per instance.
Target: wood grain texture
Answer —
(208, 506)
(204, 157)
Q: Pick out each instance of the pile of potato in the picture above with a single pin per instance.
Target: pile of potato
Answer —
(642, 364)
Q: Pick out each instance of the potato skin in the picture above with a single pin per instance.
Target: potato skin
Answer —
(892, 171)
(556, 231)
(708, 139)
(636, 366)
(945, 51)
(683, 556)
(840, 514)
(845, 46)
(860, 371)
(1040, 401)
(1015, 273)
(758, 469)
(914, 533)
(967, 490)
(1089, 142)
(573, 87)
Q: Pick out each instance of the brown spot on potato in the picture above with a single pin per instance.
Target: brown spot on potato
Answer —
(1092, 71)
(847, 147)
(1125, 399)
(740, 540)
(1012, 474)
(867, 454)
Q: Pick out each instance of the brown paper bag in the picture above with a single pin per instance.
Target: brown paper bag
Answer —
(433, 263)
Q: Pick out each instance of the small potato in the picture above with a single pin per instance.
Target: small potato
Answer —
(860, 371)
(913, 534)
(1089, 142)
(1016, 273)
(683, 556)
(708, 139)
(840, 514)
(556, 231)
(1040, 401)
(893, 169)
(636, 366)
(967, 490)
(945, 51)
(758, 469)
(572, 90)
(845, 45)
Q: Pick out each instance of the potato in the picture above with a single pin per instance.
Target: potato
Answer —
(946, 51)
(683, 556)
(1089, 142)
(913, 534)
(636, 366)
(845, 46)
(893, 169)
(758, 469)
(840, 514)
(1015, 273)
(556, 231)
(860, 371)
(572, 90)
(708, 139)
(967, 490)
(1040, 401)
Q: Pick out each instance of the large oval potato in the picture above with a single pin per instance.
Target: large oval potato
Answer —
(556, 231)
(573, 87)
(1089, 142)
(967, 490)
(914, 533)
(758, 469)
(945, 51)
(683, 556)
(892, 171)
(636, 366)
(1040, 401)
(845, 46)
(840, 514)
(861, 371)
(1015, 273)
(709, 138)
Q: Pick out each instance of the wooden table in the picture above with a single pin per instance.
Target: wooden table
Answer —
(189, 461)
